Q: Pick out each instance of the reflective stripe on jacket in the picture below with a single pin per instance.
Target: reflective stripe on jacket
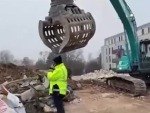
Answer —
(59, 77)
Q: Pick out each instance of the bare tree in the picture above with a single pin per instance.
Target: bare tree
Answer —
(6, 57)
(99, 59)
(17, 62)
(74, 60)
(27, 62)
(44, 55)
(93, 64)
(42, 61)
(40, 64)
(90, 57)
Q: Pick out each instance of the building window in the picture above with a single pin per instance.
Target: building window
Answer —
(121, 38)
(142, 31)
(148, 29)
(109, 59)
(112, 49)
(106, 59)
(111, 41)
(110, 67)
(107, 43)
(120, 46)
(109, 50)
(114, 40)
(106, 51)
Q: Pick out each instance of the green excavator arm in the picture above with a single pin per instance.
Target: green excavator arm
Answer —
(128, 20)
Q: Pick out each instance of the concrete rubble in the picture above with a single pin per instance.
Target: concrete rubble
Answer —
(24, 83)
(31, 94)
(97, 75)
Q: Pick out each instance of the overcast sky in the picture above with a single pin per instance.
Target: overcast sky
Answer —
(19, 24)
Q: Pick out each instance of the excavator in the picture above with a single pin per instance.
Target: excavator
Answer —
(67, 28)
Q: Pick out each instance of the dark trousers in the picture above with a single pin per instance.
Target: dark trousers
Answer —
(58, 101)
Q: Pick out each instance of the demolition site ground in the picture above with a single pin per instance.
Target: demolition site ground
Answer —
(91, 98)
(102, 99)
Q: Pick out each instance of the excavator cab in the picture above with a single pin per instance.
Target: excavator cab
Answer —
(124, 65)
(145, 55)
(67, 27)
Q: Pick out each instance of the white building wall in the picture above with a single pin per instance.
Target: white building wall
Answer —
(118, 41)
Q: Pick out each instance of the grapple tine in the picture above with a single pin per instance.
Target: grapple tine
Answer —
(67, 27)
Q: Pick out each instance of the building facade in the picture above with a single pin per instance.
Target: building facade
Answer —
(118, 42)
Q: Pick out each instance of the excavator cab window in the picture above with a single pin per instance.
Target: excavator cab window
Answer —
(145, 54)
(145, 48)
(123, 63)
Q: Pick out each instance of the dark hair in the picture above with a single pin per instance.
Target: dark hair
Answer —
(58, 60)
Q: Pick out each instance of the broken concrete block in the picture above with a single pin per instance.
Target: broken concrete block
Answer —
(46, 82)
(48, 109)
(29, 94)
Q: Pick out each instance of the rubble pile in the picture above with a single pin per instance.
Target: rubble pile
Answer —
(10, 72)
(97, 74)
(98, 77)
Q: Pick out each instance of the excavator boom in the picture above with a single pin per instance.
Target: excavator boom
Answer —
(128, 20)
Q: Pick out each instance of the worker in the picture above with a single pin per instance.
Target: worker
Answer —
(58, 83)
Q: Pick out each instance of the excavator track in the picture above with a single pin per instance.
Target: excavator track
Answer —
(135, 86)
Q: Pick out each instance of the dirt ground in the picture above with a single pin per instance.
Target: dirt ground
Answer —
(97, 100)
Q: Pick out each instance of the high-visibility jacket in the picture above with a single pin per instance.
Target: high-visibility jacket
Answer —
(58, 77)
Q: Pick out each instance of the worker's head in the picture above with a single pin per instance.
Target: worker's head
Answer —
(57, 60)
